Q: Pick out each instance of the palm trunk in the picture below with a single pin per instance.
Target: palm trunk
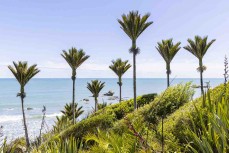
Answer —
(120, 94)
(120, 89)
(201, 77)
(168, 73)
(134, 79)
(168, 79)
(24, 119)
(96, 104)
(73, 98)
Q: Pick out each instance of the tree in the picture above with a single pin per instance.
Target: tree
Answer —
(198, 47)
(119, 67)
(133, 24)
(68, 111)
(95, 87)
(23, 73)
(168, 50)
(74, 58)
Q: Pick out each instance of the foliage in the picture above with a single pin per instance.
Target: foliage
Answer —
(212, 134)
(133, 24)
(70, 145)
(95, 87)
(23, 73)
(176, 124)
(74, 57)
(164, 104)
(103, 119)
(122, 109)
(68, 111)
(169, 101)
(198, 48)
(146, 99)
(17, 146)
(168, 50)
(119, 67)
(61, 123)
(88, 125)
(110, 142)
(102, 105)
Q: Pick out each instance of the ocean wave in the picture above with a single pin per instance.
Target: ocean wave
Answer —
(7, 118)
(14, 118)
(8, 109)
(54, 115)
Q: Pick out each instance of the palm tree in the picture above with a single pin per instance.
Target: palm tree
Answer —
(68, 111)
(133, 24)
(119, 67)
(95, 87)
(23, 73)
(74, 58)
(168, 50)
(198, 48)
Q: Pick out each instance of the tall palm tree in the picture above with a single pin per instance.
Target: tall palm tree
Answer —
(198, 47)
(74, 58)
(133, 24)
(23, 73)
(95, 87)
(68, 111)
(168, 50)
(119, 67)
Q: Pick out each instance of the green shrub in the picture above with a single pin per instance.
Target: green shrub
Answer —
(70, 145)
(146, 99)
(212, 132)
(102, 119)
(176, 124)
(125, 107)
(89, 125)
(166, 103)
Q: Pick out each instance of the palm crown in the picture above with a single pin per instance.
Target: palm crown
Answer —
(68, 111)
(74, 58)
(199, 46)
(119, 67)
(22, 72)
(134, 24)
(168, 50)
(95, 87)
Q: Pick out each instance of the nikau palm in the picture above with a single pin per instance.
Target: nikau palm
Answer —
(74, 58)
(133, 24)
(68, 111)
(23, 73)
(120, 67)
(168, 50)
(198, 48)
(95, 87)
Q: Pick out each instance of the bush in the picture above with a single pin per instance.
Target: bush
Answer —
(212, 132)
(89, 125)
(125, 107)
(164, 104)
(103, 118)
(176, 124)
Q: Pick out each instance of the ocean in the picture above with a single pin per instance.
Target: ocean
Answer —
(55, 93)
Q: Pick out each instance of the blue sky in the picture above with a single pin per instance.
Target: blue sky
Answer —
(38, 31)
